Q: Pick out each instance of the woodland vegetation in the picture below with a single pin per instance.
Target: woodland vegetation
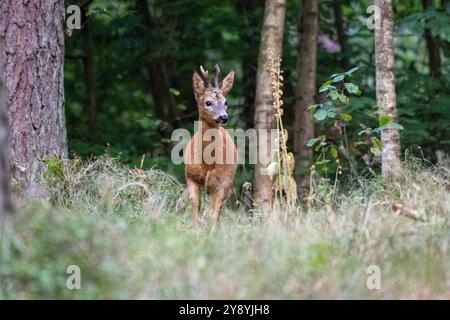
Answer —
(359, 92)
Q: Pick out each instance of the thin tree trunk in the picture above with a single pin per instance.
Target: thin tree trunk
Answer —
(158, 72)
(5, 200)
(165, 104)
(89, 69)
(340, 30)
(33, 57)
(250, 37)
(434, 55)
(306, 89)
(385, 86)
(271, 38)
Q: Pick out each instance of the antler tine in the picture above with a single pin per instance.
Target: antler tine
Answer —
(205, 76)
(217, 79)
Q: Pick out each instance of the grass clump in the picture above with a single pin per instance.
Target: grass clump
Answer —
(105, 186)
(132, 236)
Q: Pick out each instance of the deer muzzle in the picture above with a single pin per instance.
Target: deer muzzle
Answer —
(222, 119)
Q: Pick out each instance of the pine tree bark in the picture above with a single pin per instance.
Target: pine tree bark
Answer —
(306, 89)
(32, 60)
(271, 38)
(385, 86)
(5, 200)
(434, 55)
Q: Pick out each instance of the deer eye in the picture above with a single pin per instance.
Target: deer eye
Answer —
(208, 103)
(226, 103)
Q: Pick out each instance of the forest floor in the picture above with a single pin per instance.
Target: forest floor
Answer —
(132, 236)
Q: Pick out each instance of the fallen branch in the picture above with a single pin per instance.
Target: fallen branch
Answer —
(400, 209)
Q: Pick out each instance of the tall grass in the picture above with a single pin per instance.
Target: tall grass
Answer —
(132, 235)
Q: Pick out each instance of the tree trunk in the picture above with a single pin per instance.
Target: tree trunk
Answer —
(340, 30)
(385, 86)
(306, 89)
(251, 11)
(271, 38)
(89, 69)
(5, 200)
(434, 55)
(33, 57)
(158, 72)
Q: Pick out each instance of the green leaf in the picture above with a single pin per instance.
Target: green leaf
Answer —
(322, 162)
(312, 142)
(174, 91)
(331, 114)
(339, 77)
(334, 94)
(320, 115)
(182, 107)
(324, 88)
(343, 98)
(327, 83)
(347, 117)
(376, 143)
(375, 151)
(385, 120)
(352, 70)
(313, 107)
(351, 88)
(396, 126)
(334, 152)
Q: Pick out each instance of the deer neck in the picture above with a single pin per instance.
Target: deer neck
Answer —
(205, 125)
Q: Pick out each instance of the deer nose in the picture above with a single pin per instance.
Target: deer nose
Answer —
(223, 119)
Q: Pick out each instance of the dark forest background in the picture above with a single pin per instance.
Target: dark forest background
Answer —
(128, 70)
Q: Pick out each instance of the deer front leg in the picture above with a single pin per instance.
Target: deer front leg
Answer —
(216, 204)
(195, 195)
(217, 200)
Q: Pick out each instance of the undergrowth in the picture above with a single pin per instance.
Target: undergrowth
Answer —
(132, 235)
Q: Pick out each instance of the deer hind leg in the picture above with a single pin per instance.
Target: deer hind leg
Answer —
(195, 194)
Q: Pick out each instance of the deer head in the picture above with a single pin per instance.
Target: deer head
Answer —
(211, 101)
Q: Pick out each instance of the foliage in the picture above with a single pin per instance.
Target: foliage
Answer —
(337, 112)
(188, 33)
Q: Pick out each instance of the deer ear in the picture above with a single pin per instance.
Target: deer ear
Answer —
(198, 84)
(227, 83)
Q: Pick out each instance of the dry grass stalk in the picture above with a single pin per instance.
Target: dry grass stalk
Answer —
(285, 188)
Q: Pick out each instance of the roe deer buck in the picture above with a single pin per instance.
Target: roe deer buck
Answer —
(216, 176)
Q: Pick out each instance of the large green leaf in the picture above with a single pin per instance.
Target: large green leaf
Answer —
(320, 114)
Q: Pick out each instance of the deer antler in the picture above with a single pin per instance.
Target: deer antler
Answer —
(205, 77)
(217, 79)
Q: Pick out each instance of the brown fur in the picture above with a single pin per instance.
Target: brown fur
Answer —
(214, 178)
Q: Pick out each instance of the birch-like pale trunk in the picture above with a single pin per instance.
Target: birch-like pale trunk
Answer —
(385, 86)
(271, 38)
